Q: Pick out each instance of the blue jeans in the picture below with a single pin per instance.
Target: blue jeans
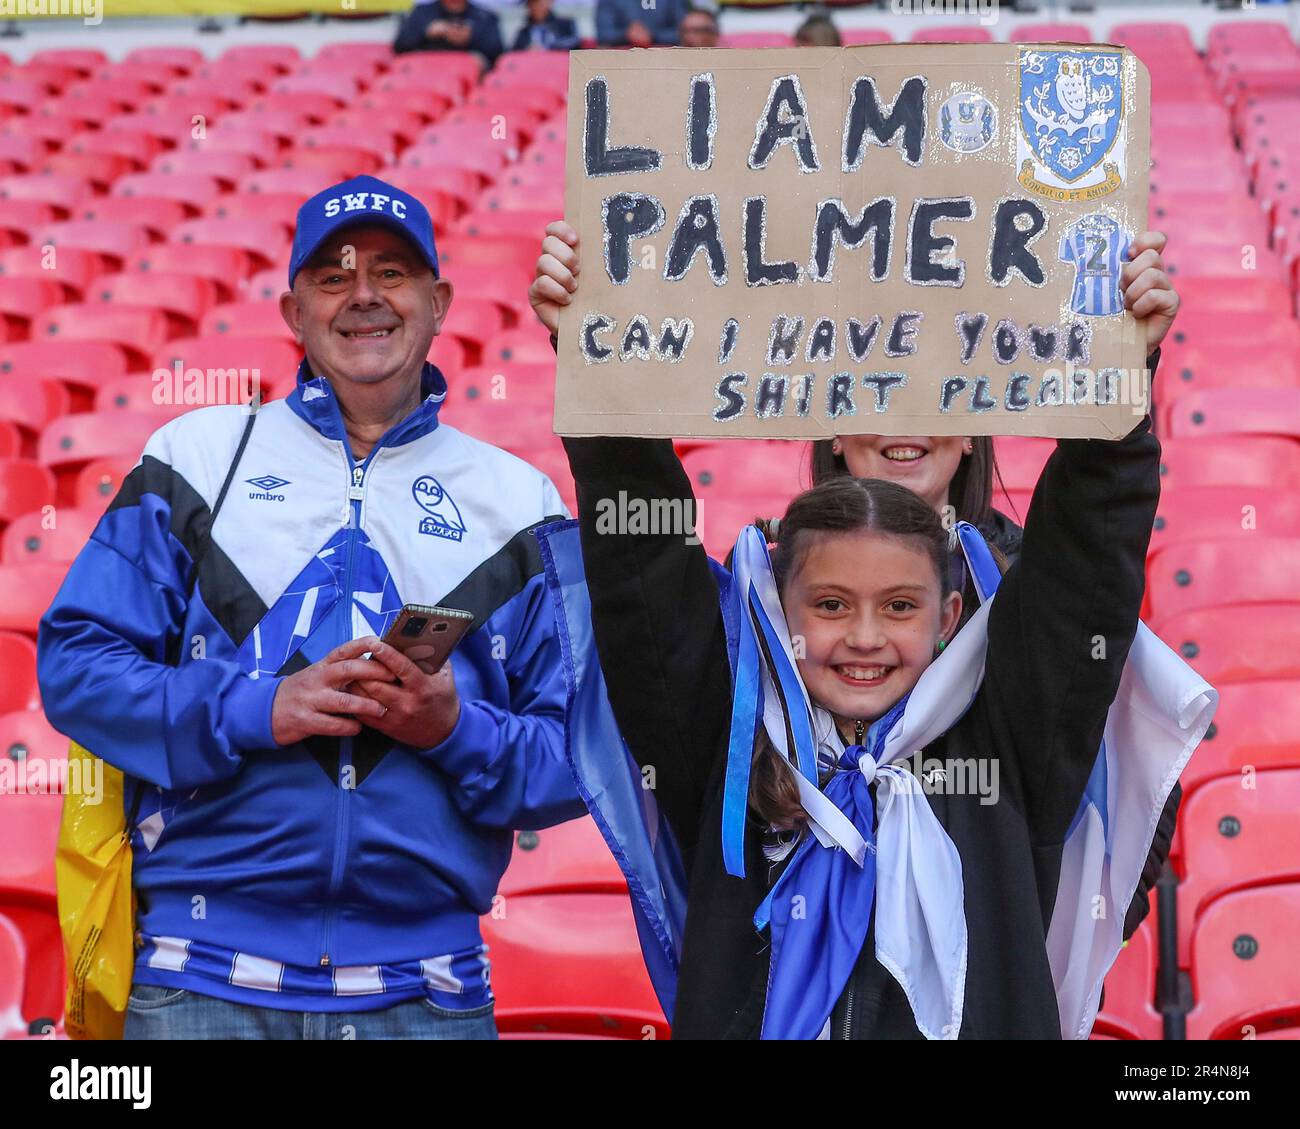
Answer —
(174, 1013)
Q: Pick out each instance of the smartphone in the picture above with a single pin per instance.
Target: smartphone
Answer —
(427, 635)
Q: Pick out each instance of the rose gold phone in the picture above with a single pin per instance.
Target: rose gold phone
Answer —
(426, 635)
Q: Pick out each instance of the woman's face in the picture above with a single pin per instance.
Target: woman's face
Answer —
(925, 464)
(865, 615)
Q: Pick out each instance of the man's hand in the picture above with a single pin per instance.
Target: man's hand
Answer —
(316, 702)
(437, 29)
(557, 274)
(459, 34)
(1148, 293)
(421, 709)
(638, 35)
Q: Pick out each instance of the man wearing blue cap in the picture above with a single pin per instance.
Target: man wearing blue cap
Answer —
(317, 823)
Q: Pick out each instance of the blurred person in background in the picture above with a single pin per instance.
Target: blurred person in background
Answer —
(638, 23)
(699, 28)
(818, 30)
(450, 25)
(543, 30)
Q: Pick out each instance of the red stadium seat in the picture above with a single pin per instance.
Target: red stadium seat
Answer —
(98, 482)
(1254, 728)
(1238, 643)
(25, 152)
(1239, 461)
(1236, 831)
(1228, 367)
(191, 189)
(519, 346)
(569, 858)
(31, 404)
(184, 298)
(140, 330)
(24, 486)
(179, 60)
(284, 125)
(1206, 574)
(1197, 513)
(262, 148)
(246, 319)
(220, 265)
(101, 169)
(19, 218)
(515, 385)
(570, 964)
(1236, 411)
(55, 536)
(29, 742)
(268, 284)
(158, 215)
(261, 241)
(141, 393)
(317, 110)
(271, 362)
(277, 207)
(1128, 1007)
(403, 125)
(375, 56)
(63, 193)
(21, 299)
(13, 976)
(335, 161)
(451, 67)
(474, 321)
(377, 140)
(137, 146)
(71, 442)
(18, 688)
(747, 468)
(226, 167)
(1052, 33)
(26, 591)
(78, 364)
(303, 182)
(77, 60)
(527, 227)
(114, 242)
(1245, 978)
(960, 33)
(280, 58)
(70, 268)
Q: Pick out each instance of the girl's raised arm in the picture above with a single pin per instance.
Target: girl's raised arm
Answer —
(654, 600)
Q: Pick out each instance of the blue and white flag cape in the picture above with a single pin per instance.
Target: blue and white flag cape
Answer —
(1160, 713)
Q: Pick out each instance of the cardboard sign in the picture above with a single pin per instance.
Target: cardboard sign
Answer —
(903, 239)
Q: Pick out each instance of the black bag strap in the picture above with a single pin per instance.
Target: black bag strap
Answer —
(193, 577)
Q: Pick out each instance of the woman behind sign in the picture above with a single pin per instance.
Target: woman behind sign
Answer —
(967, 882)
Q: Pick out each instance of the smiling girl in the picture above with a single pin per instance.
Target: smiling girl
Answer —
(826, 895)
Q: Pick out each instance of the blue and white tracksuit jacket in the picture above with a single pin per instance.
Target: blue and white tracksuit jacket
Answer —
(334, 874)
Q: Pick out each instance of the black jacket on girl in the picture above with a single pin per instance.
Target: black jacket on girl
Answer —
(1040, 711)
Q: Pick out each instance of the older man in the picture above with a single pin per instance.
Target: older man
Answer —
(316, 832)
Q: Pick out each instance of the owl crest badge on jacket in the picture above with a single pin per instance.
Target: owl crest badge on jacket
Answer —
(443, 518)
(1073, 132)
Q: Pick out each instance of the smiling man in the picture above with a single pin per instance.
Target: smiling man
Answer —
(316, 832)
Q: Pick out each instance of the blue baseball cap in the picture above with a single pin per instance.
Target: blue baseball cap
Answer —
(361, 200)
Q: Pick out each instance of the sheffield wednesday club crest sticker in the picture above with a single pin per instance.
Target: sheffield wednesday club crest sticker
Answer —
(1071, 141)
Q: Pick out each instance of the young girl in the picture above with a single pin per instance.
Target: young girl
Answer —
(895, 914)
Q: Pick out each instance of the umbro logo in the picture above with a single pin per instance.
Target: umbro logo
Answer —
(266, 485)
